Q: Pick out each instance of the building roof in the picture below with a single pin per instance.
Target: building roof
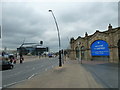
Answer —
(97, 31)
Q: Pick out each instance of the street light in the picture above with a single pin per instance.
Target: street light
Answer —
(60, 62)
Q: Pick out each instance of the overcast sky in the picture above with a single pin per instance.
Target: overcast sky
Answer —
(32, 21)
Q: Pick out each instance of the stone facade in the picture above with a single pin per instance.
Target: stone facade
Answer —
(81, 47)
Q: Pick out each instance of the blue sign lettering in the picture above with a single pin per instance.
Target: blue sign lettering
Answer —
(99, 48)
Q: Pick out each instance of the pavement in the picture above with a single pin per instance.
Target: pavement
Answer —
(71, 75)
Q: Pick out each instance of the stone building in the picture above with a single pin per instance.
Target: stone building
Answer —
(98, 46)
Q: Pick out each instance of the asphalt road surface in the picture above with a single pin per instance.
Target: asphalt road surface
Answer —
(27, 70)
(106, 74)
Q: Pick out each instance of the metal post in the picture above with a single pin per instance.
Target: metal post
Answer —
(79, 58)
(60, 62)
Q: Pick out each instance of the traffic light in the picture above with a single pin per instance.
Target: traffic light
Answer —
(41, 42)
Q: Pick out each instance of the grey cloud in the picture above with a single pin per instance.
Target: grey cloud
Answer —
(95, 15)
(33, 21)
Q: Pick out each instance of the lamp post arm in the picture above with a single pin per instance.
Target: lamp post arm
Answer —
(57, 30)
(60, 62)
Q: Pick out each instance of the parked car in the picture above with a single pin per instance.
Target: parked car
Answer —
(12, 58)
(4, 64)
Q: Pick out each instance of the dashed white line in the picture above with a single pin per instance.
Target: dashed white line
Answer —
(9, 84)
(19, 81)
(31, 76)
(12, 83)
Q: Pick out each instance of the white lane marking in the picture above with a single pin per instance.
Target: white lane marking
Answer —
(12, 83)
(19, 81)
(31, 76)
(19, 73)
(25, 79)
(9, 84)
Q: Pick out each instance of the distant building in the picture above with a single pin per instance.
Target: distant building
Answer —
(32, 49)
(98, 46)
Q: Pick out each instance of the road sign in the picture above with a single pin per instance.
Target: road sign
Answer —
(99, 48)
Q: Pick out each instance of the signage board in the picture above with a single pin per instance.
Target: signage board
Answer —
(99, 48)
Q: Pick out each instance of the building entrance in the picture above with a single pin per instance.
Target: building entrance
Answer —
(119, 49)
(77, 52)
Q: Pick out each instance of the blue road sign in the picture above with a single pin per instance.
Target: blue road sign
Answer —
(100, 48)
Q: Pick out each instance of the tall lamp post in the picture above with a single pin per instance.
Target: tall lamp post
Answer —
(60, 62)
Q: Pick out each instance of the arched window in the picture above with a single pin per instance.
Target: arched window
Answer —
(119, 49)
(77, 52)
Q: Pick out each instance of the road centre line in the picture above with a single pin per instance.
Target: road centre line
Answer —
(12, 83)
(9, 84)
(31, 76)
(19, 81)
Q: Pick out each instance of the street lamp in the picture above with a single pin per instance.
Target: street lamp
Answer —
(60, 62)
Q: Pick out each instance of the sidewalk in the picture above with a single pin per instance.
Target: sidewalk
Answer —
(70, 75)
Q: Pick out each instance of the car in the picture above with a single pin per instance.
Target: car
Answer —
(50, 55)
(12, 58)
(4, 64)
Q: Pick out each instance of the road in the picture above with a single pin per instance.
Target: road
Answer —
(27, 70)
(106, 74)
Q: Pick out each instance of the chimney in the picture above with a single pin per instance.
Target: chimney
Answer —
(110, 27)
(86, 34)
